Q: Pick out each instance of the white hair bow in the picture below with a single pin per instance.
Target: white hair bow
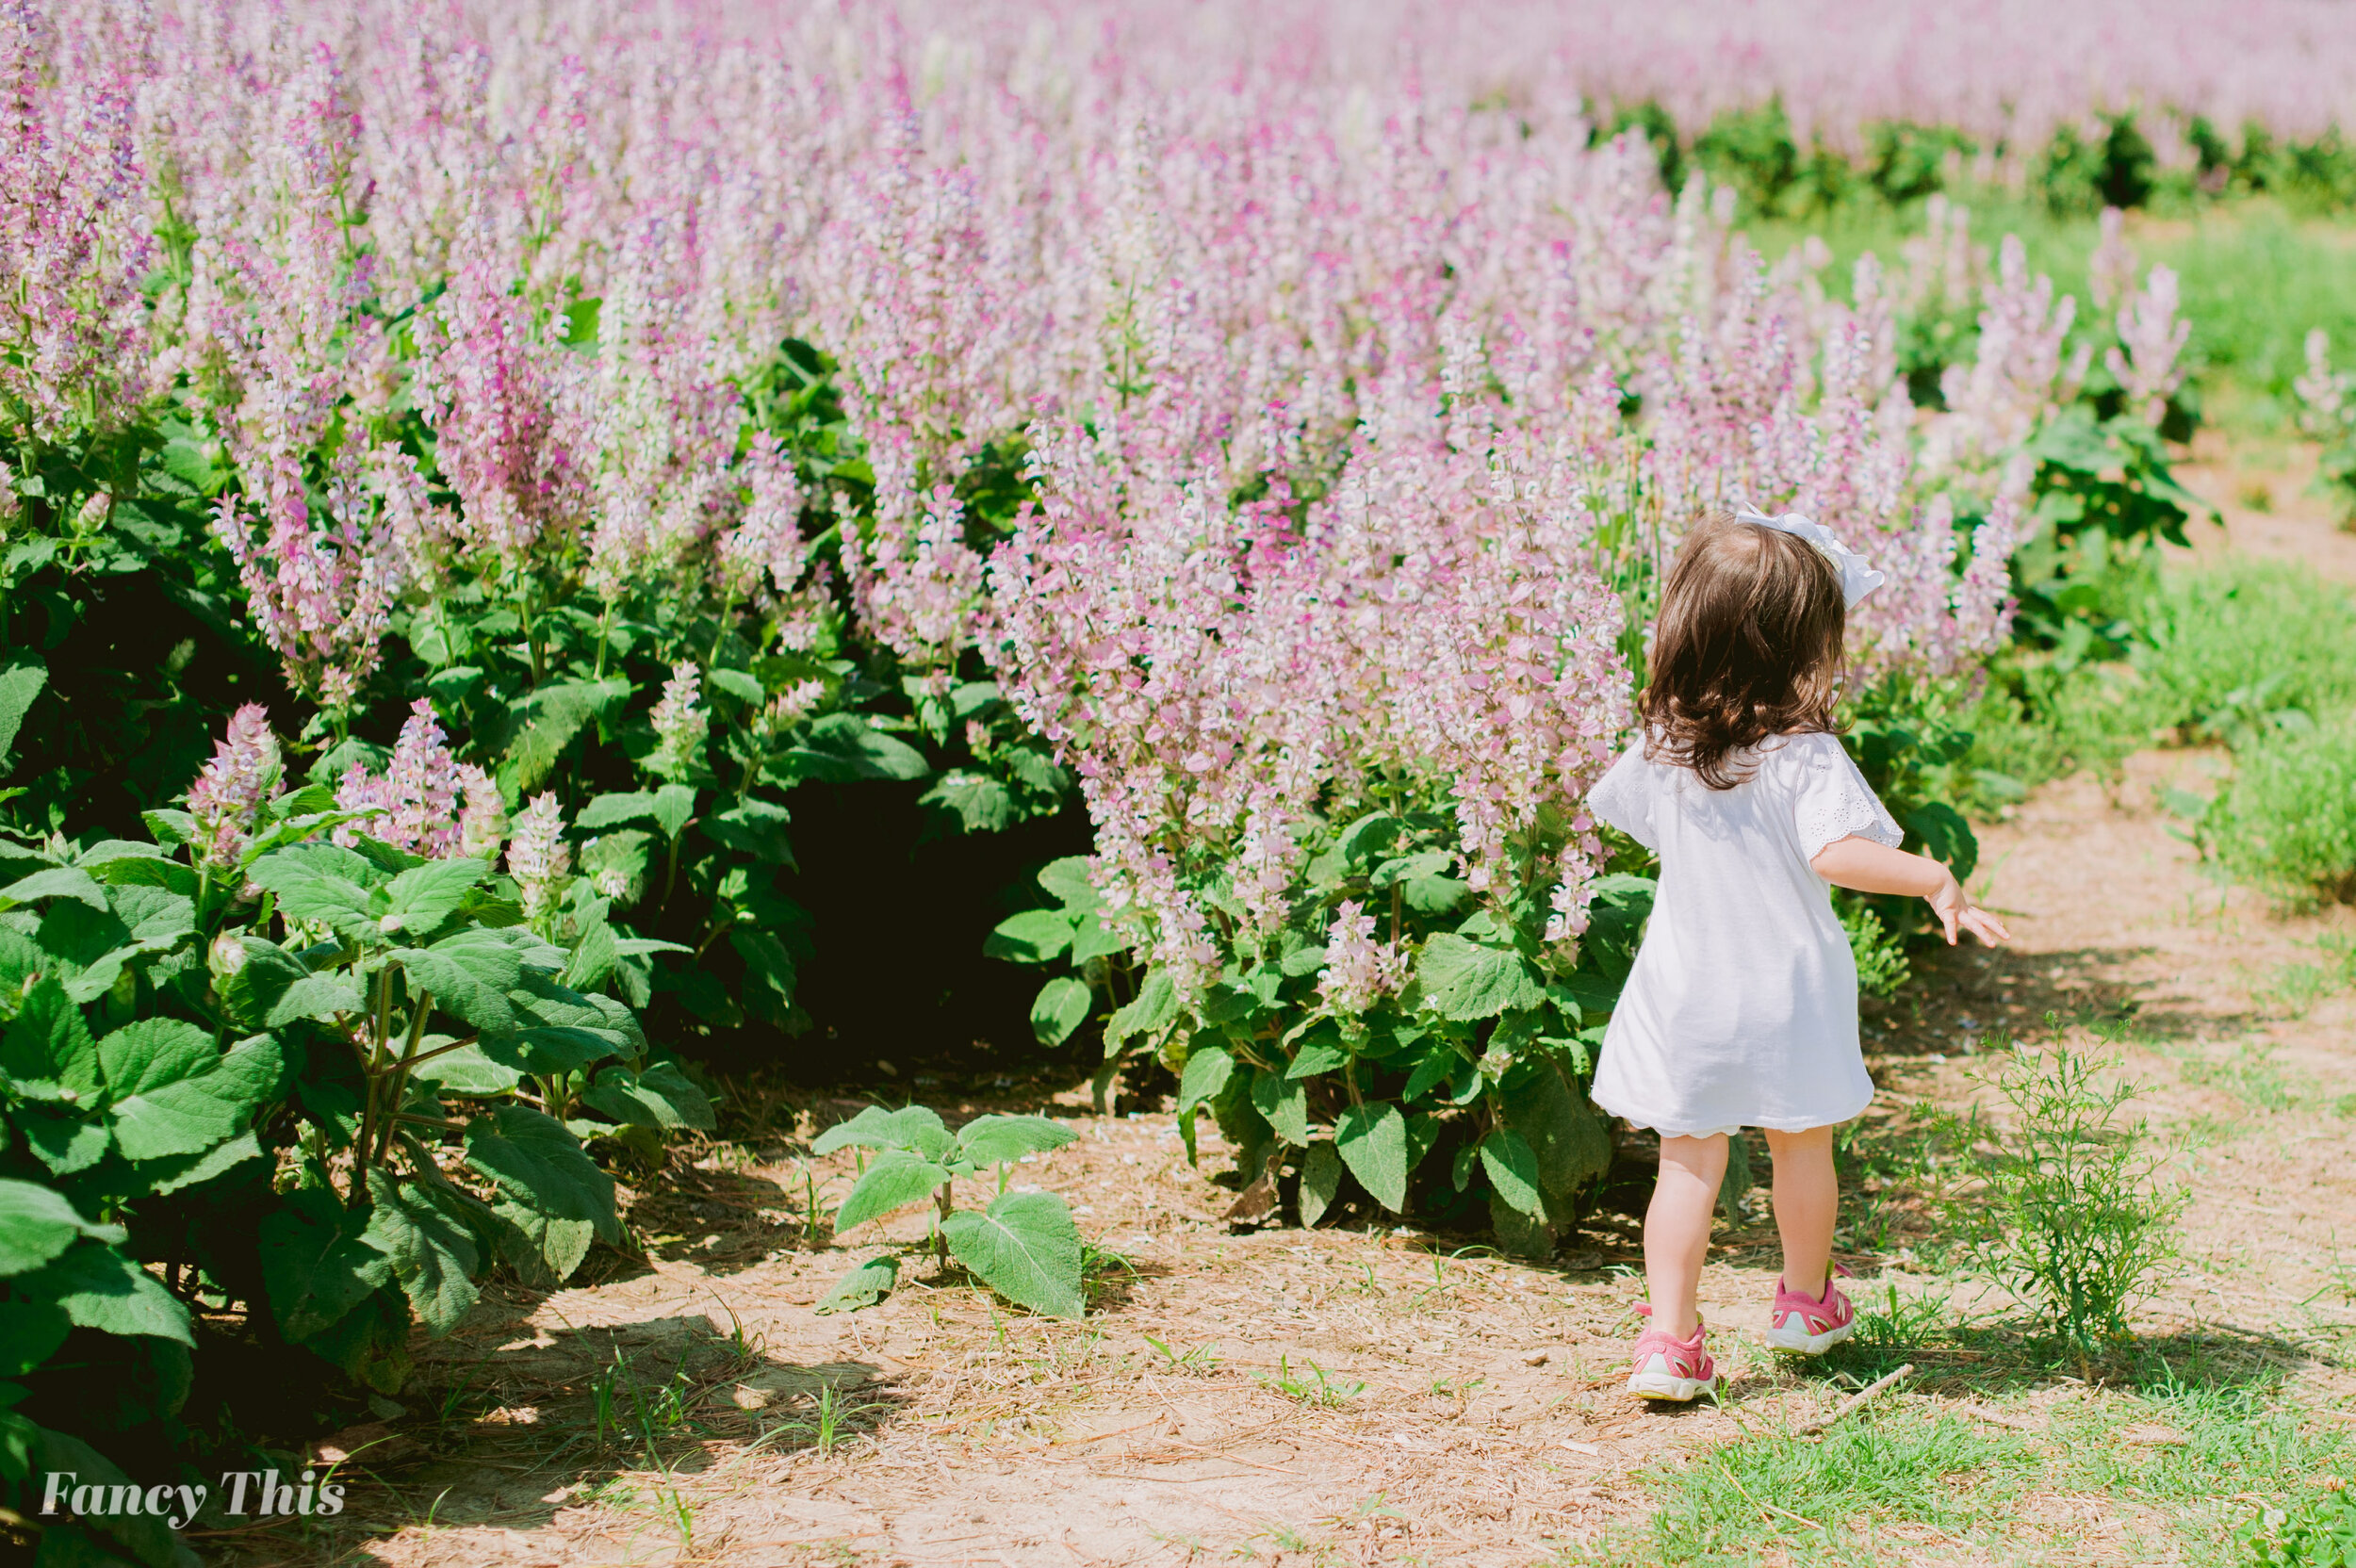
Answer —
(1856, 578)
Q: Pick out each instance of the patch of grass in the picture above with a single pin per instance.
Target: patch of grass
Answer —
(2250, 1073)
(2201, 1475)
(2286, 821)
(2229, 649)
(1832, 1500)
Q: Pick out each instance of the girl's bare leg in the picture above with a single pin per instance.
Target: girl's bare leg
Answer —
(1807, 1203)
(1677, 1228)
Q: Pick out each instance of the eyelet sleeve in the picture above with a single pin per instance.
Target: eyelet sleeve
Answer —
(1623, 797)
(1830, 799)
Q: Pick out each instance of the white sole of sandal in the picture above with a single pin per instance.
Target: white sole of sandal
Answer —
(1666, 1385)
(1787, 1335)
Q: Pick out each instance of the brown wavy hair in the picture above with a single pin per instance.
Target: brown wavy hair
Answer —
(1747, 645)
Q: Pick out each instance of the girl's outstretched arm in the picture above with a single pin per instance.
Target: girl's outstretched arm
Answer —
(1873, 868)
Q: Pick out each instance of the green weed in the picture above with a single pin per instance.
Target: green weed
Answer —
(1200, 1361)
(2072, 1211)
(1317, 1388)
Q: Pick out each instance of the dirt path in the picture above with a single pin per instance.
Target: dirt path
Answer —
(1360, 1394)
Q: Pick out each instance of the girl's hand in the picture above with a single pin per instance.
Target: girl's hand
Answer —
(1953, 908)
(1872, 867)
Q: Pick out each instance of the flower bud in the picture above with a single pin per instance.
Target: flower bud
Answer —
(226, 956)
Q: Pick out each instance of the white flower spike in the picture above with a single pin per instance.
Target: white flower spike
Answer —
(1856, 578)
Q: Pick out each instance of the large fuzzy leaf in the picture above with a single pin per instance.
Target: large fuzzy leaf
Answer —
(431, 1254)
(895, 1180)
(315, 1266)
(470, 974)
(47, 1048)
(1025, 1248)
(989, 1140)
(661, 1096)
(1372, 1140)
(421, 898)
(877, 1128)
(535, 1161)
(864, 1286)
(1467, 980)
(100, 1288)
(36, 1223)
(1061, 1006)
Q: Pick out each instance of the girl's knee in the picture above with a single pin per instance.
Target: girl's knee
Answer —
(1808, 1140)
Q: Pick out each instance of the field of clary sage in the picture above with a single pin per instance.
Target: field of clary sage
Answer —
(585, 588)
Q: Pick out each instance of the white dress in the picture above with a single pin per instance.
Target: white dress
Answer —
(1741, 1008)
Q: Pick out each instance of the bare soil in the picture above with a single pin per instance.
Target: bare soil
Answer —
(1361, 1393)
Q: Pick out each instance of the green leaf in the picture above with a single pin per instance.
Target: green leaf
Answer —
(660, 1096)
(535, 1161)
(1945, 836)
(1092, 938)
(864, 1286)
(331, 890)
(877, 1128)
(1465, 980)
(1286, 1104)
(1372, 1140)
(470, 974)
(1067, 879)
(667, 808)
(467, 1070)
(1154, 1011)
(1207, 1071)
(421, 898)
(753, 827)
(433, 1256)
(895, 1180)
(980, 803)
(1552, 1114)
(1320, 1181)
(19, 686)
(743, 687)
(593, 958)
(315, 1266)
(543, 1249)
(1511, 1168)
(1319, 1048)
(1025, 1248)
(1033, 936)
(556, 714)
(188, 1171)
(989, 1140)
(770, 972)
(1061, 1006)
(36, 1223)
(66, 1144)
(169, 1116)
(153, 1052)
(56, 882)
(100, 1288)
(48, 1047)
(326, 997)
(841, 748)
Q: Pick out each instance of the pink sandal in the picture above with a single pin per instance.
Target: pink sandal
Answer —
(1810, 1325)
(1672, 1369)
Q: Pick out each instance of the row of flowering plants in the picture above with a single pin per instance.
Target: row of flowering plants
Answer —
(291, 1071)
(1284, 487)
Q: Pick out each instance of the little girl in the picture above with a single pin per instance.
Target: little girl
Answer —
(1741, 1008)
